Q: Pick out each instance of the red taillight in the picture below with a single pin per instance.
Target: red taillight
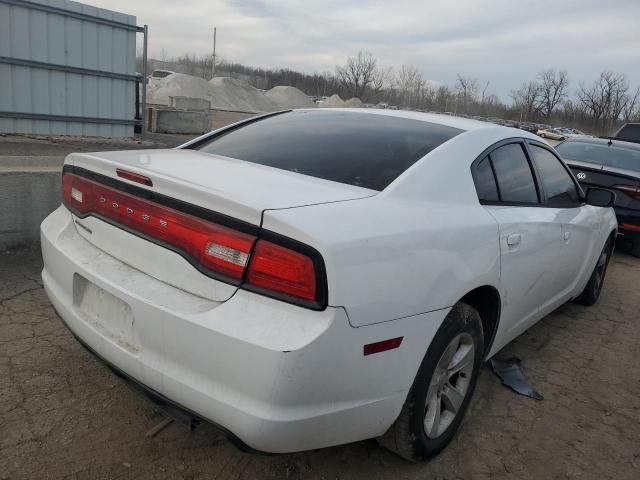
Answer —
(282, 270)
(271, 268)
(217, 248)
(77, 194)
(630, 226)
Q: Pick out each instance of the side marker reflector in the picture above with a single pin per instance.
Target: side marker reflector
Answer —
(382, 346)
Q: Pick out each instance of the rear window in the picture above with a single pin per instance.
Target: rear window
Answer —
(629, 132)
(365, 150)
(601, 154)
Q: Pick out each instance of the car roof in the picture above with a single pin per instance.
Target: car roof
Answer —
(466, 124)
(604, 141)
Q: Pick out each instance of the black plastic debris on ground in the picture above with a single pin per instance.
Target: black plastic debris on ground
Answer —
(509, 370)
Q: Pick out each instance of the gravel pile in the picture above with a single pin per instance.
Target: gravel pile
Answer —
(334, 101)
(233, 94)
(353, 103)
(289, 97)
(226, 93)
(179, 84)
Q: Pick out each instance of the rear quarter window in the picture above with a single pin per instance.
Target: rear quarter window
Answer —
(485, 181)
(360, 149)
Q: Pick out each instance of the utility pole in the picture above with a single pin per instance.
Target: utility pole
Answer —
(213, 57)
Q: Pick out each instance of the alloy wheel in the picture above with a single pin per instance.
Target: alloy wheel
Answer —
(449, 385)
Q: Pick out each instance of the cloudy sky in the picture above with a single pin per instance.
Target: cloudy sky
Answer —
(502, 41)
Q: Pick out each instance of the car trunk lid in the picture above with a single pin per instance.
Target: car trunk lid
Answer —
(240, 189)
(233, 191)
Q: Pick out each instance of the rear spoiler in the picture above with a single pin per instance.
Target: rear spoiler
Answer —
(198, 141)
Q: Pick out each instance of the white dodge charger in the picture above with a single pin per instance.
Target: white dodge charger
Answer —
(315, 277)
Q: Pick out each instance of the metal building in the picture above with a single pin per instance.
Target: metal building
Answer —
(67, 69)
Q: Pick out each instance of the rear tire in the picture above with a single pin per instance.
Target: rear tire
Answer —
(592, 290)
(442, 389)
(635, 250)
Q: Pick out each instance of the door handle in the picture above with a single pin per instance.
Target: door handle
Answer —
(567, 236)
(514, 239)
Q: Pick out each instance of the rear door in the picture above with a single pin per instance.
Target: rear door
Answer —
(579, 222)
(530, 236)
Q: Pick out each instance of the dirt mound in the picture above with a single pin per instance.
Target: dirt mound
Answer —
(289, 97)
(233, 94)
(334, 101)
(353, 102)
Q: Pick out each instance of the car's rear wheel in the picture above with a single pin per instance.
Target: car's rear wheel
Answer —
(635, 250)
(592, 290)
(442, 388)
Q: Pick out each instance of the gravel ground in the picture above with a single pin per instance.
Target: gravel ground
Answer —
(64, 415)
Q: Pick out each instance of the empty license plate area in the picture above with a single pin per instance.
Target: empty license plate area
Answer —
(107, 314)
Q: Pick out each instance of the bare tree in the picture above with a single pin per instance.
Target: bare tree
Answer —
(526, 99)
(381, 80)
(605, 100)
(632, 110)
(484, 91)
(552, 90)
(358, 74)
(409, 83)
(467, 88)
(444, 99)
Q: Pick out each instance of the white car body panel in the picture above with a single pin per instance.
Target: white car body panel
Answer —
(286, 378)
(251, 364)
(390, 265)
(236, 188)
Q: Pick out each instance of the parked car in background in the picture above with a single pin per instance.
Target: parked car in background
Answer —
(573, 132)
(529, 127)
(316, 277)
(552, 133)
(629, 132)
(615, 165)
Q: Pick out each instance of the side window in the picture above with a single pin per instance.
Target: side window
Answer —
(557, 183)
(485, 181)
(514, 176)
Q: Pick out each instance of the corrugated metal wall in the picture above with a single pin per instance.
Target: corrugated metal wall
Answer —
(31, 34)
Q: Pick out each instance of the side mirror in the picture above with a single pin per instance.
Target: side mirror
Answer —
(600, 197)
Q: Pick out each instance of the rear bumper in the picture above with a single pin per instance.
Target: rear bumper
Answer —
(281, 378)
(165, 403)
